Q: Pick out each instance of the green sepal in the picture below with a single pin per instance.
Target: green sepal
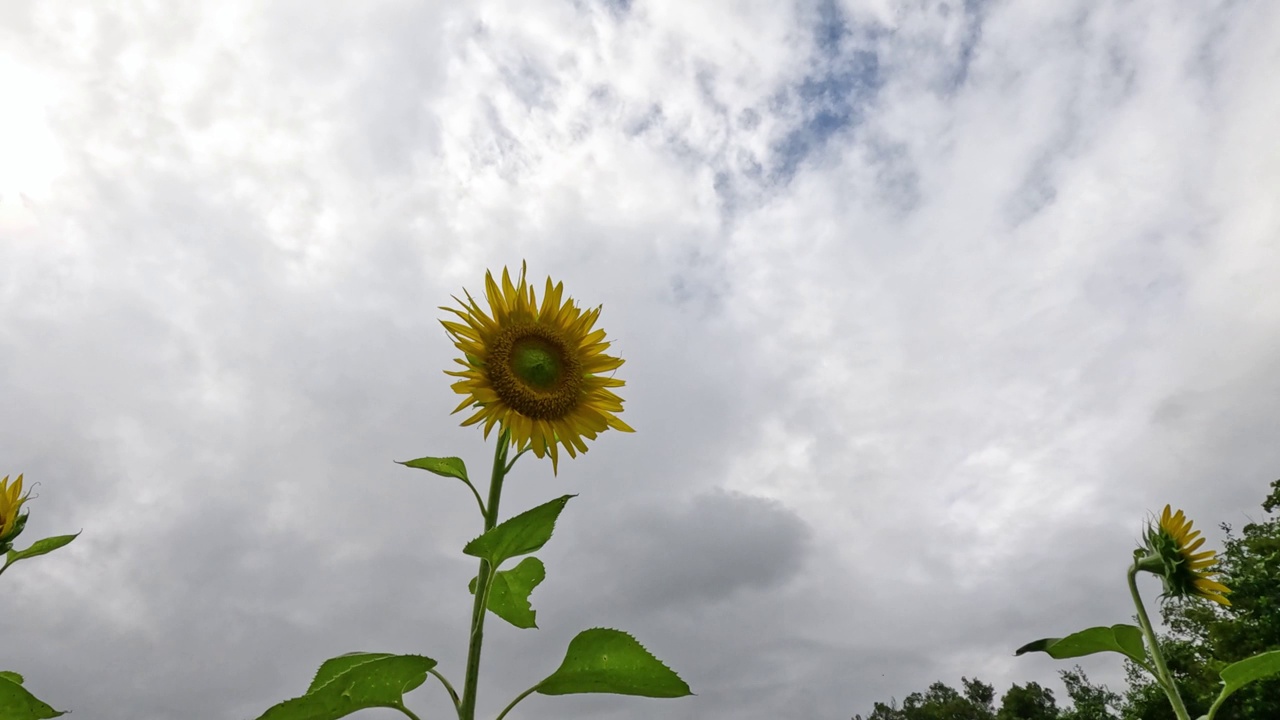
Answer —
(519, 535)
(16, 529)
(601, 660)
(18, 704)
(445, 467)
(353, 682)
(1238, 674)
(39, 547)
(509, 592)
(1124, 639)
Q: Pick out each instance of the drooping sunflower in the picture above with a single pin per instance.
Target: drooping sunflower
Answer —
(1170, 552)
(536, 370)
(11, 500)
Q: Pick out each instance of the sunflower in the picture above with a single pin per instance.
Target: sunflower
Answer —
(536, 370)
(1170, 552)
(11, 499)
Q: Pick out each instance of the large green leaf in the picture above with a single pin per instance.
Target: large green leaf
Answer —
(1238, 674)
(509, 592)
(39, 547)
(1124, 639)
(352, 682)
(446, 466)
(520, 535)
(611, 661)
(18, 704)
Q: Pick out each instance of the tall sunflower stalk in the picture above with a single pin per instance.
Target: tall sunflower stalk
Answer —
(1171, 551)
(535, 372)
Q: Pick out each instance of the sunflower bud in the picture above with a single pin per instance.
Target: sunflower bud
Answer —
(11, 500)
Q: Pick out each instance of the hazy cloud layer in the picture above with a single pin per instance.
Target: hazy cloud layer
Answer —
(925, 305)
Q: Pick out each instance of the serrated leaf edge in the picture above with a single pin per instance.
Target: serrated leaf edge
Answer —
(372, 658)
(633, 639)
(464, 477)
(554, 522)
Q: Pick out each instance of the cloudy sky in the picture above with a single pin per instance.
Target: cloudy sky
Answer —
(924, 305)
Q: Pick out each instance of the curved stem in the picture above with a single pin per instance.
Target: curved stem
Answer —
(519, 697)
(407, 712)
(514, 459)
(452, 693)
(479, 502)
(1163, 676)
(1213, 709)
(467, 710)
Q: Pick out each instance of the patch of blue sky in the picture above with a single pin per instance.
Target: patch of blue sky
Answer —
(844, 80)
(972, 35)
(620, 7)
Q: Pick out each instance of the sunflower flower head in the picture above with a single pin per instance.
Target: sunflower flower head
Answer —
(537, 370)
(11, 500)
(1169, 551)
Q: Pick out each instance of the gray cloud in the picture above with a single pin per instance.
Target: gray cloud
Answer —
(715, 546)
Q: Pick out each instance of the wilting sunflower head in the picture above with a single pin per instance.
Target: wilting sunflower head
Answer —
(536, 370)
(1169, 551)
(11, 499)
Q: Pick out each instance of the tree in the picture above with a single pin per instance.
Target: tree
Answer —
(1088, 701)
(884, 712)
(941, 702)
(1029, 702)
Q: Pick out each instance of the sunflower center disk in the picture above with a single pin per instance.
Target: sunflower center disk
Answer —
(534, 372)
(536, 362)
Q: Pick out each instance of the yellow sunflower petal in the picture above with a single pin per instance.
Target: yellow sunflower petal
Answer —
(534, 367)
(1170, 551)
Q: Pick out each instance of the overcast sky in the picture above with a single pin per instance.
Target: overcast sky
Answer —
(925, 306)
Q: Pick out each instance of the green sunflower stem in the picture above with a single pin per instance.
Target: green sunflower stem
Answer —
(1163, 676)
(519, 697)
(467, 708)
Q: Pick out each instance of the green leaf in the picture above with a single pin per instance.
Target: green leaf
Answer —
(40, 547)
(334, 667)
(352, 682)
(1238, 674)
(610, 661)
(11, 675)
(520, 535)
(18, 704)
(446, 466)
(509, 592)
(1124, 639)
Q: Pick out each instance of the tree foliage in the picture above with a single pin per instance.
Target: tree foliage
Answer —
(1028, 702)
(1088, 701)
(942, 702)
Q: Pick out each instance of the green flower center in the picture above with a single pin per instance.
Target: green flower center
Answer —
(535, 371)
(536, 362)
